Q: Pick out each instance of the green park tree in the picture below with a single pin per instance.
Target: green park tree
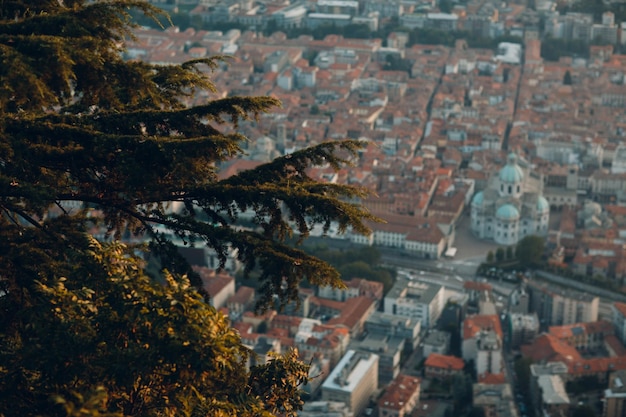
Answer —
(490, 256)
(500, 254)
(84, 330)
(529, 251)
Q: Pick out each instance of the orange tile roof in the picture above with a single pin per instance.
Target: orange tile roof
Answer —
(354, 310)
(437, 360)
(399, 392)
(475, 324)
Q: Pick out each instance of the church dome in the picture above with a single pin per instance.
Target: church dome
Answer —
(511, 173)
(507, 212)
(542, 204)
(478, 199)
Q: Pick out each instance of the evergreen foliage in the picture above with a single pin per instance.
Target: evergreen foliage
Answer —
(83, 330)
(567, 78)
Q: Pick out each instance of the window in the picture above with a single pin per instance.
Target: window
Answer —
(518, 188)
(510, 189)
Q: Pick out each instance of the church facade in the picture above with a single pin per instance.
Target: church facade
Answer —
(511, 207)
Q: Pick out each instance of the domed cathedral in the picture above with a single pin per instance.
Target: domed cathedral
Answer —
(512, 206)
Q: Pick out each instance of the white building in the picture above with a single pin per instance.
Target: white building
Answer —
(482, 343)
(511, 207)
(417, 300)
(352, 381)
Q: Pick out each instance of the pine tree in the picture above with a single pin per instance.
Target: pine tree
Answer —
(79, 124)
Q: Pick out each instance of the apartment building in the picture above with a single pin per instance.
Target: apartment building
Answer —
(352, 381)
(556, 306)
(418, 300)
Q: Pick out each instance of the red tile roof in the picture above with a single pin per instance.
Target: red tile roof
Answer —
(548, 348)
(477, 286)
(436, 360)
(473, 325)
(399, 392)
(621, 307)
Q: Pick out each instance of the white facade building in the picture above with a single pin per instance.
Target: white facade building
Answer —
(352, 381)
(417, 300)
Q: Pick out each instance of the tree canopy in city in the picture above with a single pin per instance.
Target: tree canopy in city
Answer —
(529, 251)
(90, 142)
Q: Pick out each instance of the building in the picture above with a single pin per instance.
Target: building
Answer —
(356, 287)
(512, 207)
(518, 300)
(220, 287)
(389, 350)
(400, 398)
(522, 328)
(496, 400)
(241, 301)
(556, 306)
(395, 326)
(615, 395)
(618, 311)
(325, 408)
(443, 366)
(436, 341)
(482, 343)
(352, 381)
(416, 300)
(547, 390)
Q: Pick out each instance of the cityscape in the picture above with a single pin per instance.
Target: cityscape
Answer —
(470, 150)
(491, 156)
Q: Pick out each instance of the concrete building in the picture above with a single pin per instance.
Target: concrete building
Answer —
(388, 348)
(394, 326)
(352, 381)
(518, 300)
(400, 398)
(547, 390)
(556, 306)
(496, 400)
(436, 341)
(416, 300)
(482, 343)
(512, 207)
(615, 395)
(522, 328)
